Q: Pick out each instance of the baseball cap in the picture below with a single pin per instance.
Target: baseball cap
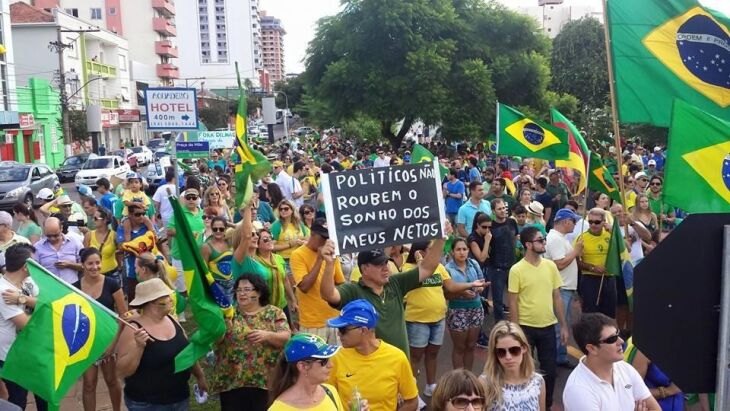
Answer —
(6, 219)
(566, 213)
(133, 175)
(85, 191)
(359, 313)
(375, 257)
(319, 227)
(651, 163)
(657, 148)
(302, 346)
(45, 194)
(639, 175)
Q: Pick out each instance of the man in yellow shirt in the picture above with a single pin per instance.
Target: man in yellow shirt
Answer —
(592, 263)
(378, 370)
(307, 265)
(534, 298)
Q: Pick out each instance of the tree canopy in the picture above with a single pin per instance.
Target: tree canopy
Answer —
(444, 62)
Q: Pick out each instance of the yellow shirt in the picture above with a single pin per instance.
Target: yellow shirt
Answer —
(290, 233)
(630, 199)
(108, 250)
(139, 196)
(327, 404)
(534, 287)
(427, 304)
(595, 247)
(379, 377)
(313, 310)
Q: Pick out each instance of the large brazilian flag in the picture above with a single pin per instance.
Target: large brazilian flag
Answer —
(66, 334)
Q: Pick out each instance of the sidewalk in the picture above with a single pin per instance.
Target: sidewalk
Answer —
(72, 401)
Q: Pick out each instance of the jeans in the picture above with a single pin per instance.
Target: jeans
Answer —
(543, 340)
(146, 406)
(19, 396)
(568, 296)
(498, 277)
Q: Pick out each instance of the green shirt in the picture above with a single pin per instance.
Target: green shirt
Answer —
(658, 206)
(29, 229)
(197, 227)
(511, 202)
(391, 326)
(249, 266)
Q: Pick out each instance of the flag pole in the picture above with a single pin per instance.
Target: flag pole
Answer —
(614, 113)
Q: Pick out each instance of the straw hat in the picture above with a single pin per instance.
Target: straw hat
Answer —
(536, 208)
(149, 290)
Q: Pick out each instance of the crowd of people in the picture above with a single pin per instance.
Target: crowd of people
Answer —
(312, 330)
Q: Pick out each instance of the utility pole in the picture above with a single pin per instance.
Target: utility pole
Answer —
(59, 46)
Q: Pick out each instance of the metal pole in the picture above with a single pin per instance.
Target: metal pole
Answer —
(723, 344)
(173, 156)
(62, 88)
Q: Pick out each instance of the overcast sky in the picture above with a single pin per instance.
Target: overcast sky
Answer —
(299, 19)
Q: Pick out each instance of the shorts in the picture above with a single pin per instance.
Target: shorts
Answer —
(180, 280)
(462, 319)
(329, 334)
(422, 334)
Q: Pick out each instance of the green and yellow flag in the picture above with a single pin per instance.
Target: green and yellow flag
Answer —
(66, 334)
(666, 49)
(697, 171)
(579, 153)
(208, 313)
(618, 261)
(601, 180)
(419, 154)
(519, 135)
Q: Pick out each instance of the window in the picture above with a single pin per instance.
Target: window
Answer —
(122, 62)
(73, 12)
(95, 13)
(112, 11)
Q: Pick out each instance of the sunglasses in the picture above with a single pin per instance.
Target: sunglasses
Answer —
(191, 197)
(214, 194)
(99, 218)
(218, 229)
(207, 217)
(53, 235)
(610, 340)
(284, 209)
(322, 361)
(345, 330)
(656, 184)
(513, 351)
(485, 227)
(65, 205)
(308, 211)
(595, 222)
(138, 214)
(539, 240)
(461, 403)
(265, 240)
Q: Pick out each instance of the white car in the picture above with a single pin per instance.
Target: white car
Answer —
(143, 155)
(96, 168)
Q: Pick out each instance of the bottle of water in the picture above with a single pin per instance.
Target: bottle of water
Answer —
(356, 402)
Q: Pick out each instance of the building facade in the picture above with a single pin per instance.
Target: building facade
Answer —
(217, 34)
(272, 33)
(552, 16)
(9, 118)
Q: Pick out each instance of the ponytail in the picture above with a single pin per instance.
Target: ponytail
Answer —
(156, 265)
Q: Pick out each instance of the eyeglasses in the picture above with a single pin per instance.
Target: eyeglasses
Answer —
(656, 184)
(485, 227)
(345, 330)
(138, 214)
(539, 240)
(191, 197)
(218, 229)
(460, 403)
(245, 290)
(595, 222)
(513, 351)
(610, 340)
(322, 361)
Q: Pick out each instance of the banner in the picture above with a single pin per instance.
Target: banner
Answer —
(378, 207)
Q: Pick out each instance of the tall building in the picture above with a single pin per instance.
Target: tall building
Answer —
(8, 97)
(148, 25)
(217, 34)
(552, 16)
(273, 33)
(95, 65)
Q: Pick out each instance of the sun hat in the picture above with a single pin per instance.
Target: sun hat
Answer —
(536, 208)
(302, 346)
(63, 200)
(359, 313)
(149, 290)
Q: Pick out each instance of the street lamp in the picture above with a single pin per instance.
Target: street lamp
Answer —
(286, 113)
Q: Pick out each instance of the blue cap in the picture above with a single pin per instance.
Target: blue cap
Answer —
(85, 191)
(302, 346)
(359, 313)
(132, 175)
(566, 213)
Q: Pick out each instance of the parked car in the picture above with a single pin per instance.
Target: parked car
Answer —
(106, 166)
(71, 165)
(142, 154)
(156, 144)
(303, 131)
(160, 154)
(156, 177)
(21, 182)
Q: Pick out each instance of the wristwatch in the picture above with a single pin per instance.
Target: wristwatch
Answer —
(22, 299)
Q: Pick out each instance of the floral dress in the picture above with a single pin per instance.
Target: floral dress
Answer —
(241, 363)
(521, 397)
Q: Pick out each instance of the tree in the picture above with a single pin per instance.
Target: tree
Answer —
(77, 125)
(294, 89)
(444, 62)
(579, 65)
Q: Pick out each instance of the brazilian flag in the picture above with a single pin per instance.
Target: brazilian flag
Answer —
(697, 173)
(66, 334)
(618, 261)
(520, 135)
(421, 154)
(205, 299)
(600, 179)
(667, 49)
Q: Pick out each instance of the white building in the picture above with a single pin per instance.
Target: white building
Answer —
(96, 65)
(551, 18)
(8, 98)
(216, 35)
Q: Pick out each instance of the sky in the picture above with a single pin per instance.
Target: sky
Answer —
(299, 19)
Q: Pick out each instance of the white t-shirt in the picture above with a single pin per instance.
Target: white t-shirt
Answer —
(8, 330)
(557, 248)
(160, 196)
(584, 391)
(381, 162)
(636, 252)
(289, 185)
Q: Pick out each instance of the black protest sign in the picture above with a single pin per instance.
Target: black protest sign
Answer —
(379, 207)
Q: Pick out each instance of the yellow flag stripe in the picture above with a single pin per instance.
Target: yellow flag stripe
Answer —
(516, 130)
(708, 163)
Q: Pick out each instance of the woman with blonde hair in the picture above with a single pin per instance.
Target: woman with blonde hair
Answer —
(456, 390)
(288, 231)
(642, 212)
(214, 198)
(509, 376)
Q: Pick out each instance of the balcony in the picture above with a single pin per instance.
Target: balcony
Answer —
(166, 70)
(95, 68)
(164, 27)
(108, 103)
(165, 48)
(164, 7)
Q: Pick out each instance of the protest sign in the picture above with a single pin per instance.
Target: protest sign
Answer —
(379, 207)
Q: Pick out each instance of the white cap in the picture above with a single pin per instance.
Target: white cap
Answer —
(657, 148)
(640, 174)
(651, 163)
(45, 194)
